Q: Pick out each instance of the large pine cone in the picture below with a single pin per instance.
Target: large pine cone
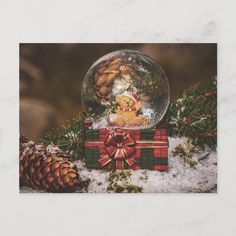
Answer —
(46, 168)
(107, 73)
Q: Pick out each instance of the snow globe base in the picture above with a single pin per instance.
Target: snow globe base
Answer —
(117, 149)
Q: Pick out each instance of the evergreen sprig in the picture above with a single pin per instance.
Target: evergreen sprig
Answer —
(194, 115)
(69, 138)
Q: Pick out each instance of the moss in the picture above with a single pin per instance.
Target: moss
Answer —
(186, 151)
(84, 184)
(144, 176)
(119, 182)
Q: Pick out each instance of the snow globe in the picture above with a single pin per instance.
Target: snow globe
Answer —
(125, 89)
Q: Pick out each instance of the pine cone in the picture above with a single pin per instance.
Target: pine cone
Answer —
(107, 73)
(46, 168)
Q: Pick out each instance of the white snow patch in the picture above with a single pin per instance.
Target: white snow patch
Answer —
(179, 178)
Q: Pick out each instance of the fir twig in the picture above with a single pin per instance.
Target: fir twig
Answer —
(194, 115)
(69, 138)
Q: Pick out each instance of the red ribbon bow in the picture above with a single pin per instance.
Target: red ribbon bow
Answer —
(119, 146)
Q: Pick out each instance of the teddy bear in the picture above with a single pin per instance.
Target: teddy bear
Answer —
(127, 111)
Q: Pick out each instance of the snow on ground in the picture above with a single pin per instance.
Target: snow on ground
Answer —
(179, 178)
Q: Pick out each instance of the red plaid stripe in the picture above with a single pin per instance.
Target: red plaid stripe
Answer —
(161, 134)
(160, 168)
(160, 152)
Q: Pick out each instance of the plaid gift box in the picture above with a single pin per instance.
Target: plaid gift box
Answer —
(125, 149)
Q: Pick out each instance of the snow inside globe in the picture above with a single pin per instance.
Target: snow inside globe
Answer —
(125, 89)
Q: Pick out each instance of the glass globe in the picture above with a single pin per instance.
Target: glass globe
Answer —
(125, 89)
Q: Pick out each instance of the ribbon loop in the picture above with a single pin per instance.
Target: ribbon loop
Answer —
(119, 146)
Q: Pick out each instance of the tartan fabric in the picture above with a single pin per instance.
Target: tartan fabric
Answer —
(91, 134)
(148, 159)
(91, 159)
(147, 134)
(146, 156)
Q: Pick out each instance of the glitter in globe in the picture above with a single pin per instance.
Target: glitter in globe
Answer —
(125, 89)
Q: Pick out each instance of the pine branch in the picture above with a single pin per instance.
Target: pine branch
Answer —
(69, 138)
(194, 115)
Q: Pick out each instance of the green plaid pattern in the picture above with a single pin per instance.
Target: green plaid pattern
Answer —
(91, 158)
(147, 134)
(92, 135)
(147, 159)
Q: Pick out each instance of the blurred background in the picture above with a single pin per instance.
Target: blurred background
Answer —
(51, 76)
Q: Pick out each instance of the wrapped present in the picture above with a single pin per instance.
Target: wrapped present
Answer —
(125, 149)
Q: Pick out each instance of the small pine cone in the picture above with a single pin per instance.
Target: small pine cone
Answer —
(46, 168)
(106, 75)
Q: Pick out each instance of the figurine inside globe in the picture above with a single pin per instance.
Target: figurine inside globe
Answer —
(125, 89)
